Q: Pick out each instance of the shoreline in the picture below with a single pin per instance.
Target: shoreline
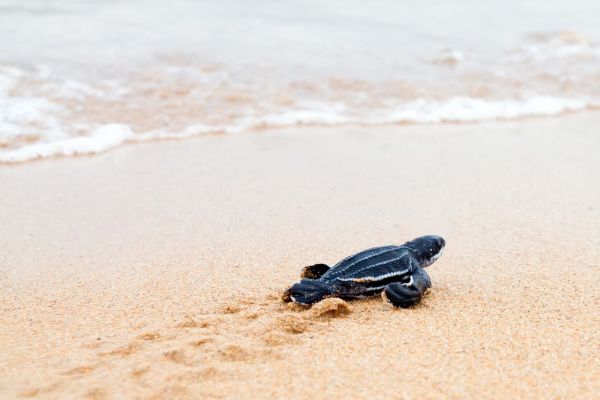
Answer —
(158, 267)
(119, 135)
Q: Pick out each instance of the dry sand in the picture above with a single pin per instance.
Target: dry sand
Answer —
(154, 271)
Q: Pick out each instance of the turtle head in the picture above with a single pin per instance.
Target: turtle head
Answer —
(427, 249)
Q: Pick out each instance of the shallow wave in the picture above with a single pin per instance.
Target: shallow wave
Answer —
(455, 110)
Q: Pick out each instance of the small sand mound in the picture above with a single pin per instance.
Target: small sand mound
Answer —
(273, 296)
(293, 324)
(171, 392)
(86, 369)
(201, 341)
(207, 372)
(139, 372)
(176, 356)
(193, 376)
(122, 351)
(191, 322)
(278, 339)
(149, 336)
(231, 309)
(252, 315)
(234, 352)
(330, 308)
(286, 296)
(295, 307)
(95, 394)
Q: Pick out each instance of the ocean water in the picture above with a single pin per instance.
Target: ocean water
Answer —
(84, 76)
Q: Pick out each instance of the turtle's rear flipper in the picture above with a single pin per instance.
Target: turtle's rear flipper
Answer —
(314, 271)
(286, 296)
(309, 291)
(408, 294)
(310, 272)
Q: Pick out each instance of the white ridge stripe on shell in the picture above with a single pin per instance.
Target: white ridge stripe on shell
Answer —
(353, 255)
(362, 271)
(375, 278)
(361, 259)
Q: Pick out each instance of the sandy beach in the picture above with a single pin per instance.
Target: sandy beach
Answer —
(155, 270)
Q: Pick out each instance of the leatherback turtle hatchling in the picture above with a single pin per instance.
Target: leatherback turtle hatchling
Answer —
(395, 270)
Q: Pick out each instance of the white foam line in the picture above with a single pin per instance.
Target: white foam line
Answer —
(457, 109)
(102, 139)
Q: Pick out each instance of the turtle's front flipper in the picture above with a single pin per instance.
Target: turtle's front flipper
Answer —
(314, 271)
(408, 294)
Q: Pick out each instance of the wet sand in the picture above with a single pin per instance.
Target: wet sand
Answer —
(154, 271)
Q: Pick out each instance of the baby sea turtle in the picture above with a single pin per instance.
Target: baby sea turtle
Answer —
(395, 270)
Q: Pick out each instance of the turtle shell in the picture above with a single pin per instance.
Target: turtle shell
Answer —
(374, 265)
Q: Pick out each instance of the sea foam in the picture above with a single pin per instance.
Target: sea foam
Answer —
(455, 110)
(104, 138)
